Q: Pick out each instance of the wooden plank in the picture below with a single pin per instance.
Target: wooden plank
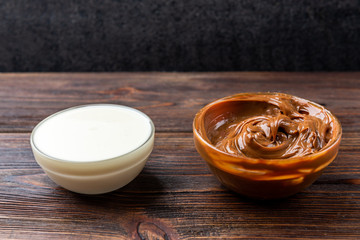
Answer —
(175, 197)
(170, 99)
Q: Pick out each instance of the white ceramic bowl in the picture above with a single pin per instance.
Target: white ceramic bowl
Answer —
(93, 149)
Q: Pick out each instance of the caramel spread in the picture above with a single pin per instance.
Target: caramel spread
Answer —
(274, 126)
(266, 145)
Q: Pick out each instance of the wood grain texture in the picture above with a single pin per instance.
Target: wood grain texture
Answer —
(171, 99)
(175, 196)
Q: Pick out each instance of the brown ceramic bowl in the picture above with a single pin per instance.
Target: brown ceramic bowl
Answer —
(258, 177)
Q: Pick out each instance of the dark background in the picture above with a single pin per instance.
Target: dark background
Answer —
(169, 35)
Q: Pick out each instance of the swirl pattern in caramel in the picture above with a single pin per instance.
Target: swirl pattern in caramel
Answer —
(273, 127)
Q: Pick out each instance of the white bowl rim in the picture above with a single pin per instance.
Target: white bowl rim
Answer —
(33, 145)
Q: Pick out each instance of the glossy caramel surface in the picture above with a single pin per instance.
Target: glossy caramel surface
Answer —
(271, 126)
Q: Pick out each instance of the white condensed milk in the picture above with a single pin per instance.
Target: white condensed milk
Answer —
(93, 148)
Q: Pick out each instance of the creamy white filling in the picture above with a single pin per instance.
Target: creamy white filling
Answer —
(92, 133)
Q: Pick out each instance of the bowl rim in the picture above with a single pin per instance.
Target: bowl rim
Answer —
(270, 161)
(34, 147)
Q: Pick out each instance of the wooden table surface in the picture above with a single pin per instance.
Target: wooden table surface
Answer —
(175, 196)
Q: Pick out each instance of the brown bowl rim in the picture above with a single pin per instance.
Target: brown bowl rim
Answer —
(309, 157)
